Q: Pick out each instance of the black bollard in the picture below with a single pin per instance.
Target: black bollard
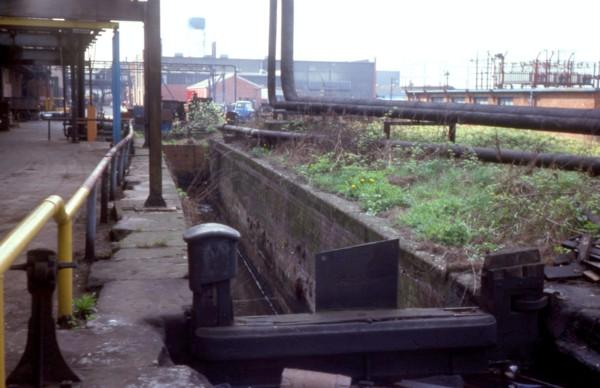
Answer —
(212, 253)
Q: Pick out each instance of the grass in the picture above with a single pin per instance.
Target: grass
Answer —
(463, 202)
(369, 187)
(506, 138)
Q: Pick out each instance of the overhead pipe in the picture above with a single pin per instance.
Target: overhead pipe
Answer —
(265, 134)
(580, 121)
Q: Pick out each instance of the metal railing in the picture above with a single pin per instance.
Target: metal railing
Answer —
(110, 171)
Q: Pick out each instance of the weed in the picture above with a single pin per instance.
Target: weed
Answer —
(155, 244)
(85, 306)
(182, 193)
(260, 152)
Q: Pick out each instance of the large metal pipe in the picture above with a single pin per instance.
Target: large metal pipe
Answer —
(562, 161)
(265, 134)
(582, 121)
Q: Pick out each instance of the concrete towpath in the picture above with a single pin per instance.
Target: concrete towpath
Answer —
(142, 290)
(142, 296)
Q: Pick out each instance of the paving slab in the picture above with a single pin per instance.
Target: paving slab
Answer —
(147, 222)
(155, 239)
(106, 271)
(142, 301)
(151, 253)
(111, 343)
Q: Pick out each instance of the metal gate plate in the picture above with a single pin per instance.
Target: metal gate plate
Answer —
(359, 277)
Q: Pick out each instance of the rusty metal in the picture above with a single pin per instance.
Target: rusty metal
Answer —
(563, 272)
(582, 121)
(573, 244)
(512, 289)
(359, 277)
(42, 363)
(270, 136)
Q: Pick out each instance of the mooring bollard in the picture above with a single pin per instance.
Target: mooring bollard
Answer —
(212, 254)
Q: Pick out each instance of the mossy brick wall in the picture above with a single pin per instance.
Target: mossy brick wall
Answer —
(187, 162)
(284, 223)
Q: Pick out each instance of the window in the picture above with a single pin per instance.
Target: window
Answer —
(458, 100)
(506, 101)
(438, 99)
(481, 100)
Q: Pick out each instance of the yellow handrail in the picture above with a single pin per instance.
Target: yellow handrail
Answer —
(18, 239)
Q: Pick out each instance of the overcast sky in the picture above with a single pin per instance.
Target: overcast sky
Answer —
(421, 38)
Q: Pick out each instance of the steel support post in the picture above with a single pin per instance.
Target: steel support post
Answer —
(65, 277)
(152, 112)
(451, 132)
(74, 106)
(80, 127)
(116, 89)
(90, 229)
(104, 198)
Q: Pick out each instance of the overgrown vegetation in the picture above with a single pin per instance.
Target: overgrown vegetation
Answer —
(464, 203)
(203, 117)
(505, 138)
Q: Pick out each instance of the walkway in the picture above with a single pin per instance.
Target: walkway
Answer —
(142, 284)
(31, 169)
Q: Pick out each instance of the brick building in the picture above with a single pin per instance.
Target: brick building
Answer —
(225, 91)
(579, 98)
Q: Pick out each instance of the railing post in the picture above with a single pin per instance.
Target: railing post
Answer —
(104, 197)
(452, 132)
(126, 151)
(90, 230)
(2, 361)
(113, 178)
(65, 276)
(122, 153)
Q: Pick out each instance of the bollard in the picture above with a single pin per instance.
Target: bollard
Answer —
(212, 254)
(42, 363)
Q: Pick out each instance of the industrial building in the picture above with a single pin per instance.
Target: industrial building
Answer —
(579, 98)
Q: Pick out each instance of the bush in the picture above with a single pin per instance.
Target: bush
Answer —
(203, 118)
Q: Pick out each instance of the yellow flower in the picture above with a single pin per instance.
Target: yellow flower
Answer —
(362, 180)
(372, 180)
(353, 187)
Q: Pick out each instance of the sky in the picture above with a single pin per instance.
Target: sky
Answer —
(423, 39)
